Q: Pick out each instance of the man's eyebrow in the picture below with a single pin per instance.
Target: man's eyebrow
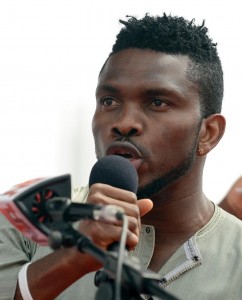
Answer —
(148, 91)
(151, 91)
(165, 91)
(107, 88)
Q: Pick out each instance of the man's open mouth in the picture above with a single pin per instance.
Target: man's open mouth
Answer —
(124, 149)
(125, 155)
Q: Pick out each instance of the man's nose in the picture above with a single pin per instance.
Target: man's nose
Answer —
(128, 123)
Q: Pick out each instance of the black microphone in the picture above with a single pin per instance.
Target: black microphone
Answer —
(118, 172)
(76, 211)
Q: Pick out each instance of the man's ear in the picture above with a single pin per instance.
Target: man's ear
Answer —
(211, 131)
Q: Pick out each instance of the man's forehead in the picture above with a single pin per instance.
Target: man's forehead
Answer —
(143, 58)
(143, 65)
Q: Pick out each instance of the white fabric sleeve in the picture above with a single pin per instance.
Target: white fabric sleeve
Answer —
(23, 283)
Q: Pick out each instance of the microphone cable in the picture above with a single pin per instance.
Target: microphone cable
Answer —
(121, 254)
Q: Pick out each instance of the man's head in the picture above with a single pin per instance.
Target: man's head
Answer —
(155, 102)
(177, 36)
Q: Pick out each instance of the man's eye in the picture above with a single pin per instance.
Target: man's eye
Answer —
(158, 102)
(109, 102)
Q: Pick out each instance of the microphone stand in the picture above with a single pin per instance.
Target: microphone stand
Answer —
(134, 280)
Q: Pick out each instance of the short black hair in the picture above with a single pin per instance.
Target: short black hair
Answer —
(178, 36)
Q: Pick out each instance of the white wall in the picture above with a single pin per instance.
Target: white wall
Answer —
(50, 54)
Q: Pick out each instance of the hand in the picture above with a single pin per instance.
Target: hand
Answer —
(103, 234)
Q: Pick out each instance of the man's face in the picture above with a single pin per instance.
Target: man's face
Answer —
(148, 111)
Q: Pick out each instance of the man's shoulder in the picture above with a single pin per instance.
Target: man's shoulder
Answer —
(231, 220)
(223, 230)
(229, 230)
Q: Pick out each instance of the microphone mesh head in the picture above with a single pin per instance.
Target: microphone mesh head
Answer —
(116, 171)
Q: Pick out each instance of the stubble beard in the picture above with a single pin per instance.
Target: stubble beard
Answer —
(160, 183)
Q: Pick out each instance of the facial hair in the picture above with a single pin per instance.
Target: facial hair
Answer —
(158, 184)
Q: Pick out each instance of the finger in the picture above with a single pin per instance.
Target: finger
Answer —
(104, 195)
(145, 205)
(102, 192)
(105, 234)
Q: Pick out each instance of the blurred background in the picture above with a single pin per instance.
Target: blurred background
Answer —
(51, 52)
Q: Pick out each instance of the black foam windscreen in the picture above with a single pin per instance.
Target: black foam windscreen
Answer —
(116, 171)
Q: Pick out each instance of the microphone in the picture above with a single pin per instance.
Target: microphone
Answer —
(24, 205)
(38, 206)
(35, 206)
(77, 211)
(118, 172)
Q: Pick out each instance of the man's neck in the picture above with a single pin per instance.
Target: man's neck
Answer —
(179, 217)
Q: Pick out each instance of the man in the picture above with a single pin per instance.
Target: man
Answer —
(159, 99)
